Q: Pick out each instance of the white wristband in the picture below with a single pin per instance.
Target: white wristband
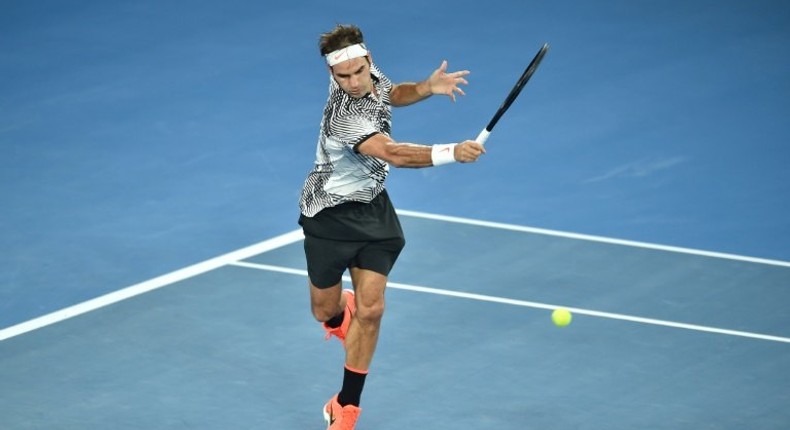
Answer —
(443, 154)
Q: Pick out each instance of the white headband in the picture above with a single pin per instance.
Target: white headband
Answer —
(347, 53)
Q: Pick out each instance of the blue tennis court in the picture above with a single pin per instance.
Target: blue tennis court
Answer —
(662, 338)
(151, 157)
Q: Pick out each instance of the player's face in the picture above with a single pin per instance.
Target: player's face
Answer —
(353, 76)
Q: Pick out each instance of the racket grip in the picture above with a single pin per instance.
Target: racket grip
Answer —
(482, 137)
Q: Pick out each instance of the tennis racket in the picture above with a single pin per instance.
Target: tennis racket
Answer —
(522, 81)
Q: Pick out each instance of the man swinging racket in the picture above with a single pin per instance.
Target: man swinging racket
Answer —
(348, 220)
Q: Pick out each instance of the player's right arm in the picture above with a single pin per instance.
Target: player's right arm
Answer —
(415, 155)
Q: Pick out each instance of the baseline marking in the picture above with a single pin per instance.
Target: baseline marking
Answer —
(234, 258)
(150, 285)
(536, 305)
(591, 238)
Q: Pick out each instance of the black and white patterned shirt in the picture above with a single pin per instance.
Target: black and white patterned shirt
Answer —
(341, 174)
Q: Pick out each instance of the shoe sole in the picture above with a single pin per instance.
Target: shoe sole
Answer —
(326, 417)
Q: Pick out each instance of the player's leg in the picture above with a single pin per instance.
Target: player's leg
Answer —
(362, 336)
(326, 302)
(363, 332)
(327, 260)
(342, 410)
(369, 273)
(333, 308)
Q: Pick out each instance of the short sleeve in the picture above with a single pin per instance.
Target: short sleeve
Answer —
(352, 130)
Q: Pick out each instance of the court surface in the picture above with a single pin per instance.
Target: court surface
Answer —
(152, 153)
(661, 339)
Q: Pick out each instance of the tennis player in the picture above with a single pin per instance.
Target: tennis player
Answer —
(348, 220)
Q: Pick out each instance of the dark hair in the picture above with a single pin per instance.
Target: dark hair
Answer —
(339, 37)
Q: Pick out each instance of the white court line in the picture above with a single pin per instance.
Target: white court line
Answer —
(296, 235)
(591, 238)
(514, 302)
(150, 285)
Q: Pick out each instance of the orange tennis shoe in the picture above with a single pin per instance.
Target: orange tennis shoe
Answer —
(348, 312)
(340, 417)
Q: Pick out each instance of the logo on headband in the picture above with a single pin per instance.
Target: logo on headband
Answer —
(345, 54)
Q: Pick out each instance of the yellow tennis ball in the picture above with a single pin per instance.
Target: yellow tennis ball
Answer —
(561, 317)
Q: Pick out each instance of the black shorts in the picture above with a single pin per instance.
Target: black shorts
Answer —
(328, 259)
(363, 235)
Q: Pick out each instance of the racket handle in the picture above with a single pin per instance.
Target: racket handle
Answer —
(482, 137)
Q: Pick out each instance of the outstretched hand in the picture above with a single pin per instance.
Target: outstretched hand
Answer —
(441, 82)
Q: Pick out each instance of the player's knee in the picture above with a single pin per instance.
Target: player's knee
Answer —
(325, 310)
(371, 312)
(322, 313)
(325, 303)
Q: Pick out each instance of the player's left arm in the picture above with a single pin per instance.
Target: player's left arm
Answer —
(440, 82)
